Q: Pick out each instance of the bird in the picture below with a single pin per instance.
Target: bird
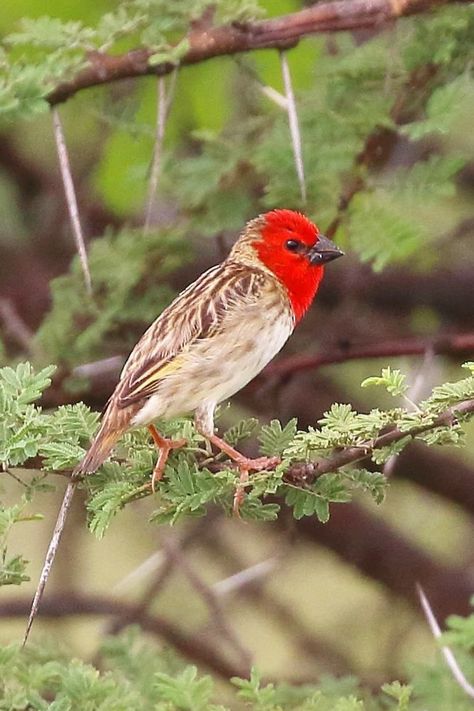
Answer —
(213, 339)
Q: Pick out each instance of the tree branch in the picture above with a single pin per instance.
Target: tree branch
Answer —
(276, 33)
(74, 604)
(462, 343)
(384, 554)
(306, 473)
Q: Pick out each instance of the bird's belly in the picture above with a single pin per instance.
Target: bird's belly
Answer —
(218, 367)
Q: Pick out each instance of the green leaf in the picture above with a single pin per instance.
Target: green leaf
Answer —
(274, 438)
(392, 380)
(186, 691)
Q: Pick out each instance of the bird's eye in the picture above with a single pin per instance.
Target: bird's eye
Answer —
(292, 245)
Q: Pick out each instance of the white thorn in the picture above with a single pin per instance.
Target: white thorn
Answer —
(244, 577)
(446, 651)
(162, 109)
(150, 565)
(294, 125)
(71, 198)
(274, 96)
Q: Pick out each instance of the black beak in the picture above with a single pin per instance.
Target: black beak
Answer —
(324, 251)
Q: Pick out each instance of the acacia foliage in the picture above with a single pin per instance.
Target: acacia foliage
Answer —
(134, 674)
(235, 169)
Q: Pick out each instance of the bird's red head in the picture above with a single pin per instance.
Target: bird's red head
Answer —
(293, 248)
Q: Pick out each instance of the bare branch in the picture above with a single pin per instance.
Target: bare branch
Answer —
(210, 598)
(75, 604)
(277, 33)
(71, 198)
(14, 325)
(462, 343)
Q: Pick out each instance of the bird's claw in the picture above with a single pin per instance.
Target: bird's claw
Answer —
(166, 446)
(246, 465)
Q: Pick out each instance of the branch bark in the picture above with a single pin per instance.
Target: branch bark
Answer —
(457, 344)
(307, 473)
(74, 604)
(276, 33)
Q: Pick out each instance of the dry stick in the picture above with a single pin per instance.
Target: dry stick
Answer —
(294, 125)
(71, 487)
(446, 651)
(51, 554)
(71, 197)
(162, 109)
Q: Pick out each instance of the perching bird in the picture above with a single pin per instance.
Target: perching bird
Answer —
(216, 336)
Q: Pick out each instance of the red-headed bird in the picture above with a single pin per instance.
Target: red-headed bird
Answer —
(216, 336)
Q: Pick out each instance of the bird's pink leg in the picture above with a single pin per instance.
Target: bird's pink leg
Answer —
(245, 464)
(164, 447)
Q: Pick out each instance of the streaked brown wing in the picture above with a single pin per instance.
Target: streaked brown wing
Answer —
(195, 314)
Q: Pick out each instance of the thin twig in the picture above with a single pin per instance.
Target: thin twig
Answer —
(71, 198)
(294, 124)
(446, 651)
(301, 473)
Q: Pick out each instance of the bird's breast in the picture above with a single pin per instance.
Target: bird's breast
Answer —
(217, 367)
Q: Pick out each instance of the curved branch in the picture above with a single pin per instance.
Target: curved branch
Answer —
(74, 604)
(462, 343)
(384, 554)
(277, 33)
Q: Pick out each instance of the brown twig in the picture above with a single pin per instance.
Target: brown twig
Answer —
(277, 33)
(306, 473)
(461, 343)
(14, 325)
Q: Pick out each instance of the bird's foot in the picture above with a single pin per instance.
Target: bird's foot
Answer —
(245, 466)
(164, 446)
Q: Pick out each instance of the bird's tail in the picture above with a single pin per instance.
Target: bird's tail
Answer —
(99, 450)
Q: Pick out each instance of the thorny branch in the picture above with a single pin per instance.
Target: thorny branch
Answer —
(304, 473)
(307, 473)
(277, 33)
